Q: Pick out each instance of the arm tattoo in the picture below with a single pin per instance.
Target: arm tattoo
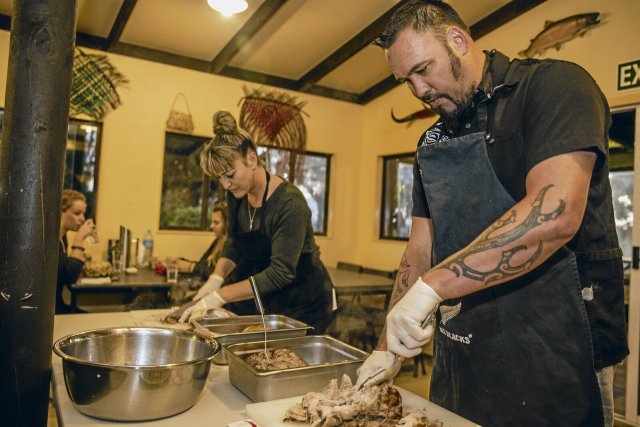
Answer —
(402, 281)
(486, 242)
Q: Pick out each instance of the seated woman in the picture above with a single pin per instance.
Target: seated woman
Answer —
(271, 242)
(74, 206)
(207, 263)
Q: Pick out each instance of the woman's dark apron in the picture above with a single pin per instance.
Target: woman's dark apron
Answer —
(515, 354)
(307, 298)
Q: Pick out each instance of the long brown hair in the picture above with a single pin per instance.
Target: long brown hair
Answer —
(220, 240)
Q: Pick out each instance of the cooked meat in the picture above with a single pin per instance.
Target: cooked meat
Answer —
(418, 418)
(279, 358)
(257, 328)
(346, 406)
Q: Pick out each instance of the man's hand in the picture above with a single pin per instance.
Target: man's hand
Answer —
(209, 302)
(213, 283)
(405, 336)
(383, 361)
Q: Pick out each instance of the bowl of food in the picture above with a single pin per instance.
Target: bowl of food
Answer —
(281, 368)
(135, 374)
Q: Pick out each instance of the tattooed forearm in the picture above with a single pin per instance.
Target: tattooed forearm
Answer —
(402, 281)
(487, 241)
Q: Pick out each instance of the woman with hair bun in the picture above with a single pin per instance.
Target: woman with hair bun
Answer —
(270, 237)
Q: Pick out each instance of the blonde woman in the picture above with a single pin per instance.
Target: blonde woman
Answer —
(74, 206)
(270, 239)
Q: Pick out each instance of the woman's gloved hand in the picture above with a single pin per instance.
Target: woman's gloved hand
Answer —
(208, 302)
(405, 336)
(213, 283)
(383, 361)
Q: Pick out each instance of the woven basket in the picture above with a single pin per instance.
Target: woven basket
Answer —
(179, 120)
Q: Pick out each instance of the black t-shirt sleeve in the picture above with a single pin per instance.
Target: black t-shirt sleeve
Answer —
(420, 205)
(565, 111)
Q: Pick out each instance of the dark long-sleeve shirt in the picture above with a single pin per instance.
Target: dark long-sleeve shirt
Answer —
(69, 270)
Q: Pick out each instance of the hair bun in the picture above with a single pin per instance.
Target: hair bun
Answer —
(224, 123)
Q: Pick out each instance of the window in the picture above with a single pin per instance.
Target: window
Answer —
(81, 159)
(621, 154)
(309, 171)
(188, 195)
(397, 185)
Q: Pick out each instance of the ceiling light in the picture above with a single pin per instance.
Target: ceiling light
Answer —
(228, 7)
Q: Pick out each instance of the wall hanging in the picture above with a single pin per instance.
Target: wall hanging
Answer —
(556, 33)
(179, 120)
(94, 86)
(273, 119)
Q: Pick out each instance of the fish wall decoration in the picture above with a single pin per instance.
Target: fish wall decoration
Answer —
(420, 114)
(556, 33)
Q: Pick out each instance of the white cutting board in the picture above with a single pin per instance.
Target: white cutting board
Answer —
(271, 413)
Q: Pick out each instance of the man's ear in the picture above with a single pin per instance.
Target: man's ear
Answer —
(458, 40)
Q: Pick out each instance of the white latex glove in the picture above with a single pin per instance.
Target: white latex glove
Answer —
(383, 361)
(405, 336)
(209, 302)
(213, 283)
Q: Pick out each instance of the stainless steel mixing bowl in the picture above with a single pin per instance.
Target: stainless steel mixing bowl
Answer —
(135, 374)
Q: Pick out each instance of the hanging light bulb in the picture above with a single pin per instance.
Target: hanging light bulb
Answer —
(228, 7)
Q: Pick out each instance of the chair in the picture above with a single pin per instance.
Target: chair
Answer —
(348, 266)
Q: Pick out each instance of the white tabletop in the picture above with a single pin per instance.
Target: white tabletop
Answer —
(220, 403)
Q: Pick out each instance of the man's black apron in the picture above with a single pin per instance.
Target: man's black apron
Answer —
(519, 353)
(307, 299)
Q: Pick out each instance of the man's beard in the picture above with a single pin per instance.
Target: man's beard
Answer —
(463, 106)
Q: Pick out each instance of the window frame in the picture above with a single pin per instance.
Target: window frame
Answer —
(206, 185)
(92, 202)
(381, 232)
(291, 177)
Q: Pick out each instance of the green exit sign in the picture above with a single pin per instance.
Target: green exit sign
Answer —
(629, 75)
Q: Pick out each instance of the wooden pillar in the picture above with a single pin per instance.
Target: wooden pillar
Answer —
(31, 167)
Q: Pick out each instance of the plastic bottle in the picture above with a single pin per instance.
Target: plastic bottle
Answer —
(147, 241)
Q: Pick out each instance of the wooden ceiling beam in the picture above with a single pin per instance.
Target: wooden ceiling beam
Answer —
(346, 51)
(501, 16)
(160, 56)
(264, 13)
(120, 22)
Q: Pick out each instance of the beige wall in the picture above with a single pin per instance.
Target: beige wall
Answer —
(133, 136)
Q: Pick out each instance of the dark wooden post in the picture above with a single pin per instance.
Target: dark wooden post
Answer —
(31, 166)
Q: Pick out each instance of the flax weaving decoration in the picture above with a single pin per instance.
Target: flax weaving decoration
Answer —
(273, 119)
(94, 85)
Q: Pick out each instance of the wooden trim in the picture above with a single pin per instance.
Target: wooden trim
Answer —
(159, 56)
(378, 89)
(121, 21)
(501, 16)
(348, 50)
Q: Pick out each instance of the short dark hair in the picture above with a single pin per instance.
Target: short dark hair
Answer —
(421, 15)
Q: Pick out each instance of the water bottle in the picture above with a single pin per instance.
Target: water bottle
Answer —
(147, 242)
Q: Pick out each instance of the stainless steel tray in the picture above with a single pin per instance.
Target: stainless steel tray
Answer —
(228, 330)
(327, 357)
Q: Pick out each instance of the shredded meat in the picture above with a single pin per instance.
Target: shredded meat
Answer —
(279, 358)
(346, 406)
